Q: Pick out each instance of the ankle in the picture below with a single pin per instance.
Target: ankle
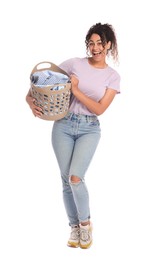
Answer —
(85, 223)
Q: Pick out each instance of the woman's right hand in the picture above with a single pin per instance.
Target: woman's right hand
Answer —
(36, 110)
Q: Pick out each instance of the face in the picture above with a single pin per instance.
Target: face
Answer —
(97, 50)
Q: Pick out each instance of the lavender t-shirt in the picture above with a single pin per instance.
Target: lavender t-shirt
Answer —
(93, 82)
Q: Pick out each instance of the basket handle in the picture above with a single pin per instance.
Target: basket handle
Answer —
(52, 67)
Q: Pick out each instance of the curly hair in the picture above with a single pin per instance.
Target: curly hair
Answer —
(106, 33)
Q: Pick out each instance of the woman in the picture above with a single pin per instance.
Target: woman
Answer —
(76, 136)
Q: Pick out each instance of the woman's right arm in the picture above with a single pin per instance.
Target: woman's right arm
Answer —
(37, 111)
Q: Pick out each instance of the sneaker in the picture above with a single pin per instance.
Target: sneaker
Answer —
(74, 237)
(85, 236)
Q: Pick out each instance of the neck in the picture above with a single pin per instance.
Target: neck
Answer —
(97, 64)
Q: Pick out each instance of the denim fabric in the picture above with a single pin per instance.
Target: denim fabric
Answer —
(75, 139)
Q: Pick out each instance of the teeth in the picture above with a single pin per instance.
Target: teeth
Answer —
(96, 53)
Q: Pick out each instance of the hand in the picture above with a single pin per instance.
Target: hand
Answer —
(36, 110)
(74, 83)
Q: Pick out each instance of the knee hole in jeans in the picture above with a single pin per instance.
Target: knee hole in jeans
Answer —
(74, 179)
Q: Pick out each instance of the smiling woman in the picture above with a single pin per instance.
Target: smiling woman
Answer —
(100, 41)
(97, 49)
(94, 84)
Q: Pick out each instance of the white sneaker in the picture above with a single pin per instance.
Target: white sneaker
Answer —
(85, 236)
(74, 237)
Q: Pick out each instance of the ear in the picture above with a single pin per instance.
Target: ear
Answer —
(108, 45)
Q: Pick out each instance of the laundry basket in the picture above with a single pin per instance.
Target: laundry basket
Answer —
(54, 103)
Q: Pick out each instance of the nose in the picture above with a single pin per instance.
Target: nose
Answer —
(95, 46)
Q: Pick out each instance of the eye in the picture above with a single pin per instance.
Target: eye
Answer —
(90, 44)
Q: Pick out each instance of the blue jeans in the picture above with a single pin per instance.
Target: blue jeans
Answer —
(75, 139)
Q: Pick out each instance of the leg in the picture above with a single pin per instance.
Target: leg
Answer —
(84, 150)
(63, 145)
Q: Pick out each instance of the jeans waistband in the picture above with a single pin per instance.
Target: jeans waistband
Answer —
(81, 117)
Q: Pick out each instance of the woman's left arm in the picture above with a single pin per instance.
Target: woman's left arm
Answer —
(97, 108)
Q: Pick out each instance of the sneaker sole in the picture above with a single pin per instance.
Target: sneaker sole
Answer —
(85, 246)
(74, 245)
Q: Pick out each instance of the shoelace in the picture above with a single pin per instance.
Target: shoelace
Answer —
(84, 235)
(75, 233)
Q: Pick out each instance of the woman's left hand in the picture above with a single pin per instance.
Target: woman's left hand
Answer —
(74, 83)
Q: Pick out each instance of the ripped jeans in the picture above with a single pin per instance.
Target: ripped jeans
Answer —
(75, 139)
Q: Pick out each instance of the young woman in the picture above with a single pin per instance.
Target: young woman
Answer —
(76, 136)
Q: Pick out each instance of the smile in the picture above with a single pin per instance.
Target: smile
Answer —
(97, 53)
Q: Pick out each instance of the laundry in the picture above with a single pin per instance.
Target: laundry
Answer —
(47, 78)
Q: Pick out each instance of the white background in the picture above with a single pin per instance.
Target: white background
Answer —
(123, 179)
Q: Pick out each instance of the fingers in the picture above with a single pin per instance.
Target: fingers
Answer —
(37, 111)
(74, 80)
(37, 114)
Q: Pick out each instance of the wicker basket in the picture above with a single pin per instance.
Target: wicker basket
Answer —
(54, 103)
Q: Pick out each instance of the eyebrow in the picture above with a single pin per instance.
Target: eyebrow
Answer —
(96, 41)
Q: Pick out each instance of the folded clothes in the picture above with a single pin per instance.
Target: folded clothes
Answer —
(47, 78)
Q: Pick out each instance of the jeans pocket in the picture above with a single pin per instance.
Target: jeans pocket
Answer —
(94, 122)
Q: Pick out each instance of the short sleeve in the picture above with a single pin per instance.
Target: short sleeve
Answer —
(67, 66)
(114, 82)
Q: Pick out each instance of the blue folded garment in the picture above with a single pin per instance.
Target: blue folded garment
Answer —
(48, 78)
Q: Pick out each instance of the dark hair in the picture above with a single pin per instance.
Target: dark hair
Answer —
(106, 33)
